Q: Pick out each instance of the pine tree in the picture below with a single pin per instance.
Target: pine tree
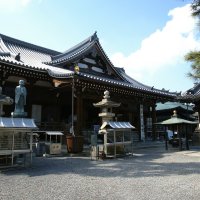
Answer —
(194, 56)
(195, 8)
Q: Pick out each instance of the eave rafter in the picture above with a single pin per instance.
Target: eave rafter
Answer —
(121, 90)
(14, 70)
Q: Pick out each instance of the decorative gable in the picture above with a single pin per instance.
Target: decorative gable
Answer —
(89, 56)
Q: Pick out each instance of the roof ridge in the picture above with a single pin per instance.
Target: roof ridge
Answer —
(122, 69)
(28, 45)
(90, 39)
(129, 79)
(109, 61)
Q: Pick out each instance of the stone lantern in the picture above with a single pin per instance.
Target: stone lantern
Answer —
(116, 134)
(106, 106)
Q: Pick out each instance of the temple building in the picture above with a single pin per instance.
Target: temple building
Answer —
(192, 95)
(81, 73)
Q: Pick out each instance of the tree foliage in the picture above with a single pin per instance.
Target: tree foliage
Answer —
(194, 56)
(195, 8)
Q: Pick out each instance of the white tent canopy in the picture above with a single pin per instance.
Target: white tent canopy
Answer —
(117, 125)
(6, 122)
(54, 133)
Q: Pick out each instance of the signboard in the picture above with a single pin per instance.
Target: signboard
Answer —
(94, 140)
(142, 123)
(36, 112)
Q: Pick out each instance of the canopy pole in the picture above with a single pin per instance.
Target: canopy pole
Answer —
(186, 133)
(115, 148)
(72, 107)
(166, 139)
(180, 142)
(31, 146)
(13, 143)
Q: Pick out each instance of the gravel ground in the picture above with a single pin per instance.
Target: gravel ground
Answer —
(148, 174)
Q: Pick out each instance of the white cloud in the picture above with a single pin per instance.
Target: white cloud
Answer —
(13, 5)
(25, 2)
(164, 48)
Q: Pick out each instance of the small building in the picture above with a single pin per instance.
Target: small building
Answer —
(192, 95)
(165, 110)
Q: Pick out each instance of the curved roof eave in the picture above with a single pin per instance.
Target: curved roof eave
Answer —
(74, 51)
(21, 64)
(127, 85)
(113, 82)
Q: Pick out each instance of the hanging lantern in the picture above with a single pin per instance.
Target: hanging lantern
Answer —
(76, 69)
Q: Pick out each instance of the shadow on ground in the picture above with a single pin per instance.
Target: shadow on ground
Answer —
(143, 163)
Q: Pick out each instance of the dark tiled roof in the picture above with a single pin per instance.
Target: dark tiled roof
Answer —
(141, 85)
(173, 106)
(136, 86)
(74, 51)
(193, 94)
(31, 56)
(80, 49)
(131, 80)
(19, 43)
(77, 50)
(131, 85)
(39, 58)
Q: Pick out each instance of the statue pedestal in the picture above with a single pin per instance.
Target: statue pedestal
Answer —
(17, 114)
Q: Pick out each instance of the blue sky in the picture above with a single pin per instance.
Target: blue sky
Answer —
(148, 38)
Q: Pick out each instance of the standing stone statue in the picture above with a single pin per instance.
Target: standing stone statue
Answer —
(20, 100)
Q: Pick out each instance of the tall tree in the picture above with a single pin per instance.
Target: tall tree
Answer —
(194, 56)
(195, 8)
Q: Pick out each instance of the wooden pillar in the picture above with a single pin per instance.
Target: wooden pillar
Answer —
(154, 135)
(137, 120)
(29, 98)
(197, 109)
(3, 77)
(1, 110)
(79, 114)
